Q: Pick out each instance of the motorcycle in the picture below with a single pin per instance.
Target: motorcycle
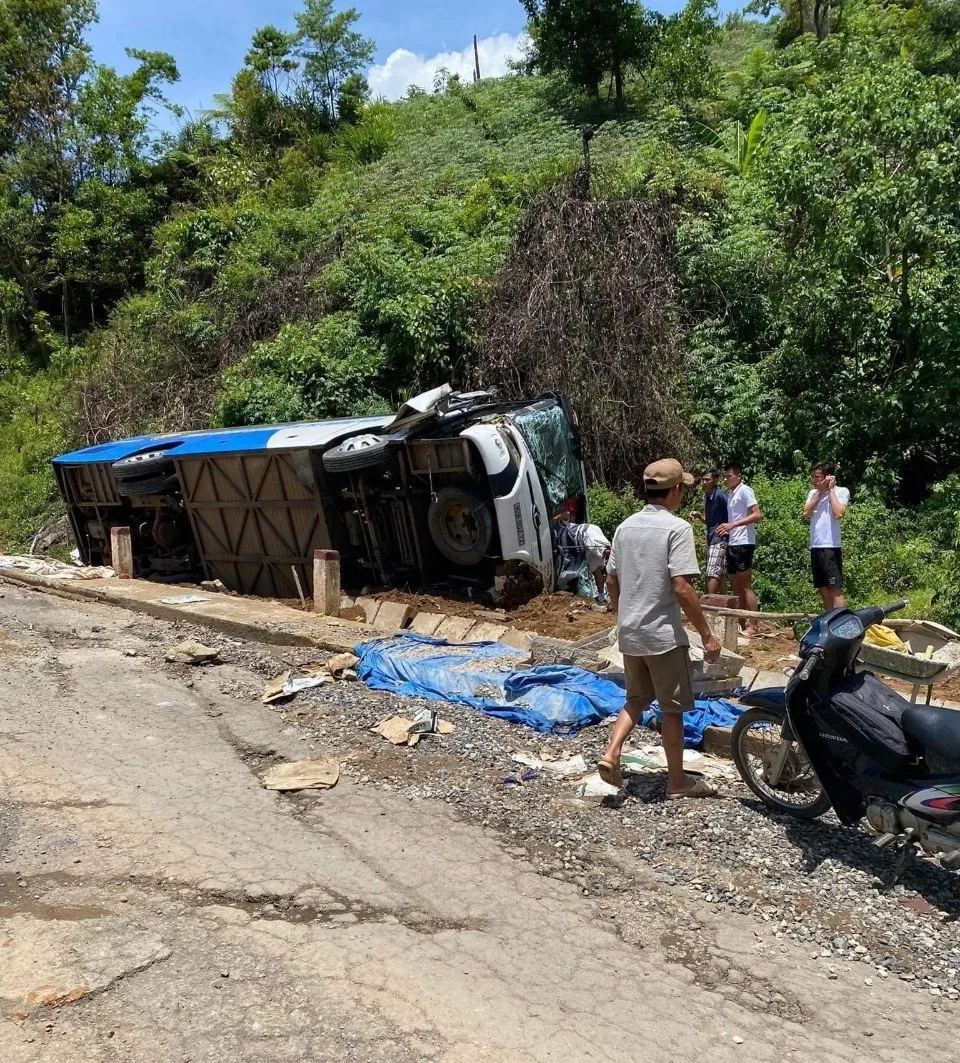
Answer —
(838, 737)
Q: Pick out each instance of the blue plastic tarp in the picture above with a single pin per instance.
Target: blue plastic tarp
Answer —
(554, 698)
(483, 675)
(713, 712)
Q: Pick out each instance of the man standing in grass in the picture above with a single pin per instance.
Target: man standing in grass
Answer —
(713, 515)
(649, 575)
(826, 504)
(744, 513)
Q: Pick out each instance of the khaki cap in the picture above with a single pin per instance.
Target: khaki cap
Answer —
(667, 472)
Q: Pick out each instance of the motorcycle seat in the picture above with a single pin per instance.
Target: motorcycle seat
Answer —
(936, 730)
(774, 698)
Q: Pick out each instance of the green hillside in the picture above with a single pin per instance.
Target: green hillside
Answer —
(771, 226)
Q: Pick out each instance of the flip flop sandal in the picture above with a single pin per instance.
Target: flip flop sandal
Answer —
(610, 772)
(700, 788)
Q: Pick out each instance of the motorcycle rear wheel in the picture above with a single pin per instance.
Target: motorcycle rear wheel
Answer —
(757, 742)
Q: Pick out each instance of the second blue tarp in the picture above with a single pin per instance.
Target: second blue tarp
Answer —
(553, 698)
(709, 712)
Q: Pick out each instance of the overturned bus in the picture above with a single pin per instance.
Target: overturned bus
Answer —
(445, 492)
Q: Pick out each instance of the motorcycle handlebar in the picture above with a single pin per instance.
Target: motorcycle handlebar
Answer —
(873, 614)
(894, 607)
(807, 670)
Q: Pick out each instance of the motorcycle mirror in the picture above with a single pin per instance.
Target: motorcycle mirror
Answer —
(800, 628)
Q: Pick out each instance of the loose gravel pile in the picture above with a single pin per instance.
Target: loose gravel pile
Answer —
(818, 887)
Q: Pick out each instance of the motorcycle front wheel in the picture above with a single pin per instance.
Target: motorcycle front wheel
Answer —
(777, 771)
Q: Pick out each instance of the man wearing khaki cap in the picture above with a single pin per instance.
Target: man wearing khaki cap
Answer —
(649, 574)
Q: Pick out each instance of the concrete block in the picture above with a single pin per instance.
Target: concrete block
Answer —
(769, 679)
(347, 601)
(599, 641)
(715, 686)
(720, 601)
(370, 607)
(717, 742)
(725, 668)
(392, 616)
(546, 650)
(485, 631)
(121, 552)
(427, 623)
(726, 629)
(326, 582)
(495, 616)
(522, 640)
(748, 676)
(612, 656)
(454, 628)
(729, 663)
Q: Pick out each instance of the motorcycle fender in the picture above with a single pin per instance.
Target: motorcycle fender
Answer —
(848, 803)
(935, 802)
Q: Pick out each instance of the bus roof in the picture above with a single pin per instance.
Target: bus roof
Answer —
(298, 436)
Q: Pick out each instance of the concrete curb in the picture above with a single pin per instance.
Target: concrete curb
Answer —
(267, 622)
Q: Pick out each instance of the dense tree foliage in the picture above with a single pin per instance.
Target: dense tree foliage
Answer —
(77, 197)
(303, 250)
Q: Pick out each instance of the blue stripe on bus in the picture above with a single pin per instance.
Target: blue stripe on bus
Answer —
(212, 441)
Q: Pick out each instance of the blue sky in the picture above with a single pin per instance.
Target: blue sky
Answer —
(209, 38)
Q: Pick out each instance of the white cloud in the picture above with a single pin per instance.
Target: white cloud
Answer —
(402, 68)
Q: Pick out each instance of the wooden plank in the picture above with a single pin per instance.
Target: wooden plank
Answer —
(749, 614)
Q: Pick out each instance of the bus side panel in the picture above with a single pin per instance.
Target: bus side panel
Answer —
(257, 519)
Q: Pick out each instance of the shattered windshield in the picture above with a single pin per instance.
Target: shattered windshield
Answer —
(550, 440)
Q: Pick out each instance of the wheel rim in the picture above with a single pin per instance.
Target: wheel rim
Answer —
(355, 443)
(137, 459)
(798, 786)
(461, 527)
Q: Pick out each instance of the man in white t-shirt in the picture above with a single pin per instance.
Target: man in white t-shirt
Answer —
(594, 544)
(824, 509)
(743, 512)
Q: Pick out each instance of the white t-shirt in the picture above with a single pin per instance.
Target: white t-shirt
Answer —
(592, 539)
(739, 503)
(824, 526)
(588, 536)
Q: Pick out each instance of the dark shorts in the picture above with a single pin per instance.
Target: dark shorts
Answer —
(740, 558)
(827, 566)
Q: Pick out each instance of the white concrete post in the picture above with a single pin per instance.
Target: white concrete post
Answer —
(121, 552)
(326, 582)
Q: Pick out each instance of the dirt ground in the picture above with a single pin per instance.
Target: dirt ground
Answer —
(561, 616)
(770, 650)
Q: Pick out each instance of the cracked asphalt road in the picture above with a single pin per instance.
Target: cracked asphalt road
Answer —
(158, 905)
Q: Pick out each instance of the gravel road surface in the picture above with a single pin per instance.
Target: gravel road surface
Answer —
(158, 904)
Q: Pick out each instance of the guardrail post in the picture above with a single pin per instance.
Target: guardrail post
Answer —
(121, 552)
(326, 582)
(726, 628)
